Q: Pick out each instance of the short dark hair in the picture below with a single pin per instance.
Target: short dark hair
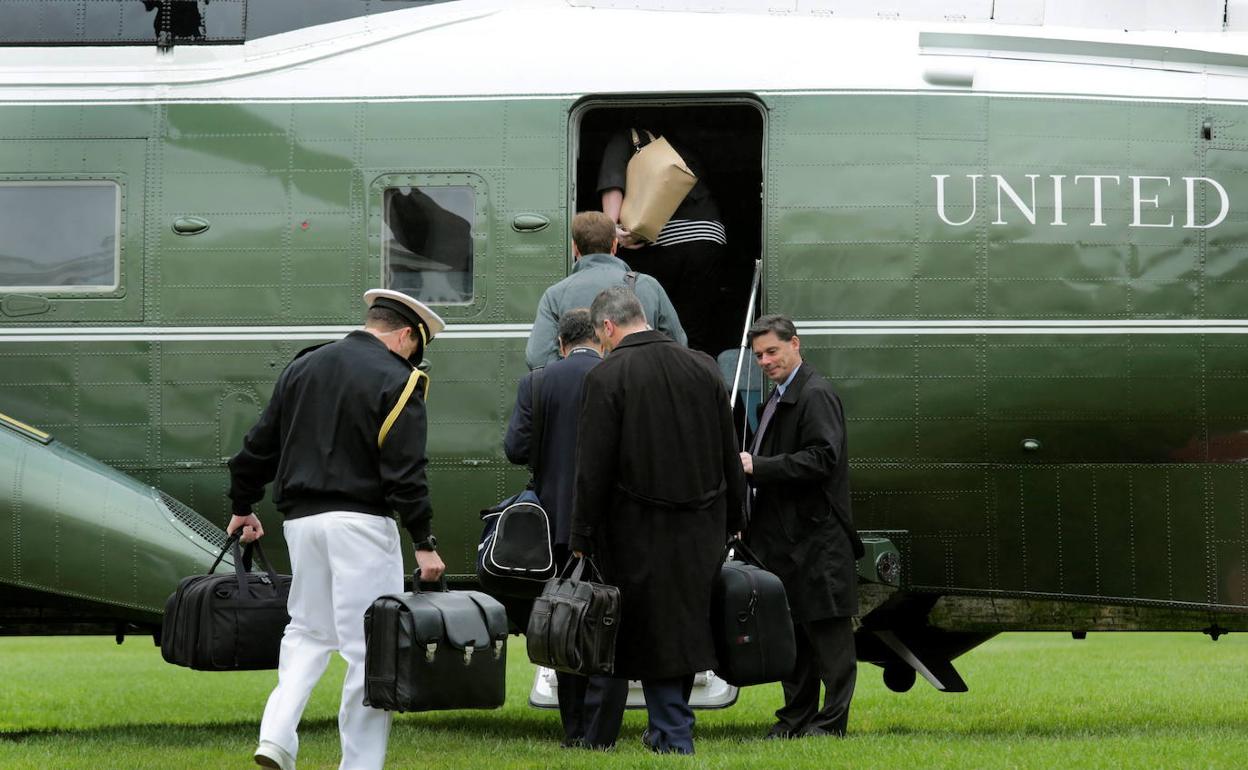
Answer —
(618, 304)
(384, 318)
(575, 327)
(781, 325)
(593, 232)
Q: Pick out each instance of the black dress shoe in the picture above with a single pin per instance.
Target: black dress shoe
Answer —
(778, 732)
(819, 732)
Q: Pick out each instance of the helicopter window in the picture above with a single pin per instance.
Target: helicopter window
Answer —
(60, 236)
(428, 242)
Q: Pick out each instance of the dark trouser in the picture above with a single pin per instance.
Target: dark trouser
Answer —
(670, 721)
(691, 274)
(670, 724)
(591, 708)
(825, 652)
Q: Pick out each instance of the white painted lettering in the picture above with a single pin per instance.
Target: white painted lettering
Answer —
(1098, 217)
(1191, 202)
(1137, 200)
(940, 198)
(1028, 212)
(1057, 199)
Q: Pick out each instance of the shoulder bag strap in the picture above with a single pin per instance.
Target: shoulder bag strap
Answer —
(539, 419)
(412, 380)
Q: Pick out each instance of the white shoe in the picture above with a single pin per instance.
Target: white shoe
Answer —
(271, 755)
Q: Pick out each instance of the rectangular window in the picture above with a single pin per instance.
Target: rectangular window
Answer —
(59, 236)
(428, 242)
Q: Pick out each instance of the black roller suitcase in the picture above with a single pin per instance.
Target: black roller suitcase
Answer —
(435, 650)
(228, 622)
(753, 627)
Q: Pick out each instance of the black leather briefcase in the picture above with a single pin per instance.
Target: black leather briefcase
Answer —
(574, 623)
(228, 622)
(435, 650)
(753, 628)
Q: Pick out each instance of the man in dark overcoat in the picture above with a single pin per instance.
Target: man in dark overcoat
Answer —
(553, 458)
(658, 488)
(801, 528)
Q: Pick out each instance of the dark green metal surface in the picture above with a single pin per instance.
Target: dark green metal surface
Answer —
(1136, 487)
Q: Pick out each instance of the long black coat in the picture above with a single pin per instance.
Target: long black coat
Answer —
(801, 474)
(658, 488)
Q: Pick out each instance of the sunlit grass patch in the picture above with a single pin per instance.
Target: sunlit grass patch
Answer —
(1036, 700)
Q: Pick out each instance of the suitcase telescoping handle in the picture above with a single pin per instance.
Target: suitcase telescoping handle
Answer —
(243, 560)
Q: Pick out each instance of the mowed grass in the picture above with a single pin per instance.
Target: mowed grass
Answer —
(1036, 700)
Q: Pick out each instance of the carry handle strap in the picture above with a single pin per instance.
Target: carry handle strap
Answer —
(417, 583)
(578, 571)
(539, 414)
(229, 543)
(243, 559)
(412, 380)
(738, 545)
(637, 139)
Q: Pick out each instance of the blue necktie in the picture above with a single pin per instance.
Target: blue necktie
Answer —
(768, 410)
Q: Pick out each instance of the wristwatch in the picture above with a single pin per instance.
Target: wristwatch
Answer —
(428, 544)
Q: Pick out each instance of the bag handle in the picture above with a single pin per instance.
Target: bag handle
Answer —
(229, 542)
(578, 571)
(243, 560)
(417, 583)
(412, 381)
(738, 545)
(637, 139)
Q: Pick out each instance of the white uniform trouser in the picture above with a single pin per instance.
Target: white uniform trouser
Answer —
(340, 562)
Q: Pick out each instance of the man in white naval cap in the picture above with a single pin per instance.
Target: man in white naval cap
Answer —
(343, 440)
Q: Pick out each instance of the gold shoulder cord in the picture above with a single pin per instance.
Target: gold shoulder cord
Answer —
(412, 381)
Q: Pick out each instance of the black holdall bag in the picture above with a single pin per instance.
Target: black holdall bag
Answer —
(228, 622)
(435, 650)
(753, 628)
(574, 623)
(515, 558)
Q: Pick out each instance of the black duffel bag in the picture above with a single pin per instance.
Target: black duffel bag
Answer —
(515, 557)
(753, 628)
(435, 650)
(574, 623)
(229, 622)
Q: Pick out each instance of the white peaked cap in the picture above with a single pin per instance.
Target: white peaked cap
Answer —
(410, 308)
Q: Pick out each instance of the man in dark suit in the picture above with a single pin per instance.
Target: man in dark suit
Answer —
(658, 488)
(801, 528)
(560, 396)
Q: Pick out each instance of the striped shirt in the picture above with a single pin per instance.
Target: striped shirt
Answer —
(678, 231)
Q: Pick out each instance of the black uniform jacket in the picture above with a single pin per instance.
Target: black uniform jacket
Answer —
(801, 474)
(658, 488)
(561, 389)
(318, 438)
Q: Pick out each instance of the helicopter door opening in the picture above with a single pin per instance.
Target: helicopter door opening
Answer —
(706, 254)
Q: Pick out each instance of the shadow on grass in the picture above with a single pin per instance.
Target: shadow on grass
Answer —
(464, 725)
(541, 727)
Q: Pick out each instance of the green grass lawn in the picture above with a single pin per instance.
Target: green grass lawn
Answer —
(1036, 700)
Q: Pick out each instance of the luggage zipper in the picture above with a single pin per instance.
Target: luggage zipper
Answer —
(745, 616)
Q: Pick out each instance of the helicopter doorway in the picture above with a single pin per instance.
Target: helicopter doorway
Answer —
(724, 139)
